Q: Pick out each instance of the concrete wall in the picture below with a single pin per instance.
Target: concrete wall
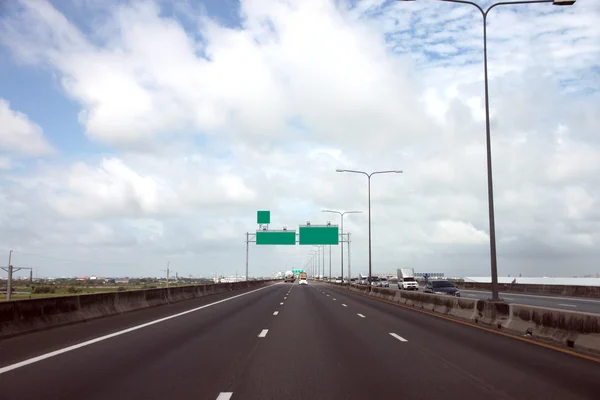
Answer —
(23, 316)
(547, 290)
(573, 329)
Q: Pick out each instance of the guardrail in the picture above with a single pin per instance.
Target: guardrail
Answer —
(542, 290)
(572, 329)
(24, 316)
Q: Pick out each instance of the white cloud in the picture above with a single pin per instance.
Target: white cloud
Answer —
(19, 135)
(208, 123)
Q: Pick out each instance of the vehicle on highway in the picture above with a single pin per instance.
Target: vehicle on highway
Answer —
(289, 277)
(354, 281)
(406, 279)
(338, 279)
(302, 278)
(375, 281)
(384, 282)
(442, 287)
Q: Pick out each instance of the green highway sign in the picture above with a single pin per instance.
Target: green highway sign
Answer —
(263, 217)
(276, 237)
(297, 271)
(319, 235)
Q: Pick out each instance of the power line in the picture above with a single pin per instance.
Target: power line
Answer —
(71, 260)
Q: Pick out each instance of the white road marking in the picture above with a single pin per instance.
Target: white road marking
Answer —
(334, 298)
(276, 312)
(344, 305)
(508, 298)
(263, 333)
(119, 333)
(327, 295)
(360, 315)
(400, 338)
(567, 305)
(225, 395)
(281, 303)
(285, 298)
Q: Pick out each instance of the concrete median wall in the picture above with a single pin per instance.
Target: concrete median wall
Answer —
(23, 316)
(542, 290)
(577, 330)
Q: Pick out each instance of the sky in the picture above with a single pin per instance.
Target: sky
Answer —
(138, 133)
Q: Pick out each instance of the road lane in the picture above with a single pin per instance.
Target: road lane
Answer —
(30, 345)
(558, 302)
(189, 357)
(313, 348)
(519, 369)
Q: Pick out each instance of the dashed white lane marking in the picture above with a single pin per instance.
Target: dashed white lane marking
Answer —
(360, 315)
(400, 338)
(224, 395)
(281, 303)
(263, 333)
(276, 312)
(344, 305)
(567, 305)
(119, 333)
(285, 298)
(327, 295)
(334, 298)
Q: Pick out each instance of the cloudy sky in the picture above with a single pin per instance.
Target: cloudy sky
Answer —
(137, 133)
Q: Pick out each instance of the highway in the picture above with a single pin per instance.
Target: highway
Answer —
(285, 341)
(561, 303)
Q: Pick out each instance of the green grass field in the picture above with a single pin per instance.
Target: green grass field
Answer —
(64, 290)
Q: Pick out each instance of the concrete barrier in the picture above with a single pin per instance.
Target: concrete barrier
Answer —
(542, 290)
(577, 330)
(23, 316)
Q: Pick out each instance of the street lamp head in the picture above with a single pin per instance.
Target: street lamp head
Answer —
(340, 170)
(399, 171)
(563, 2)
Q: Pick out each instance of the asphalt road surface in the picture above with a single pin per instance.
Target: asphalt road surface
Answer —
(561, 303)
(286, 341)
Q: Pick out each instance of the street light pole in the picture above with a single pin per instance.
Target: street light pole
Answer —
(369, 175)
(488, 139)
(342, 236)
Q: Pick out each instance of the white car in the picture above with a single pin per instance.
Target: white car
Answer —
(303, 282)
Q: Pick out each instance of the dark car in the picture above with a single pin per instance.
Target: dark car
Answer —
(442, 287)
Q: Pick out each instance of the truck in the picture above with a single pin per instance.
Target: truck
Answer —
(289, 276)
(406, 279)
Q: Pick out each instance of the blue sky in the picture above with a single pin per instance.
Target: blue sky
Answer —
(134, 133)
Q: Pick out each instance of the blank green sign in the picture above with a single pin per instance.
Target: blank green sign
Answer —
(276, 237)
(318, 235)
(263, 217)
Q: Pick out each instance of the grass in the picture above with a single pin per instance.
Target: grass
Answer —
(63, 290)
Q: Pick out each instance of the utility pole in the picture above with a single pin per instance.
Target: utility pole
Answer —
(247, 249)
(167, 271)
(349, 269)
(11, 270)
(10, 274)
(330, 263)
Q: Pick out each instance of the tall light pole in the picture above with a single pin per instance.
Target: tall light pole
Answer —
(490, 186)
(342, 234)
(369, 175)
(313, 253)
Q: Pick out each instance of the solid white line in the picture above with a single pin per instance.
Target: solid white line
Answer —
(263, 333)
(344, 305)
(360, 315)
(225, 395)
(276, 312)
(102, 338)
(567, 305)
(400, 338)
